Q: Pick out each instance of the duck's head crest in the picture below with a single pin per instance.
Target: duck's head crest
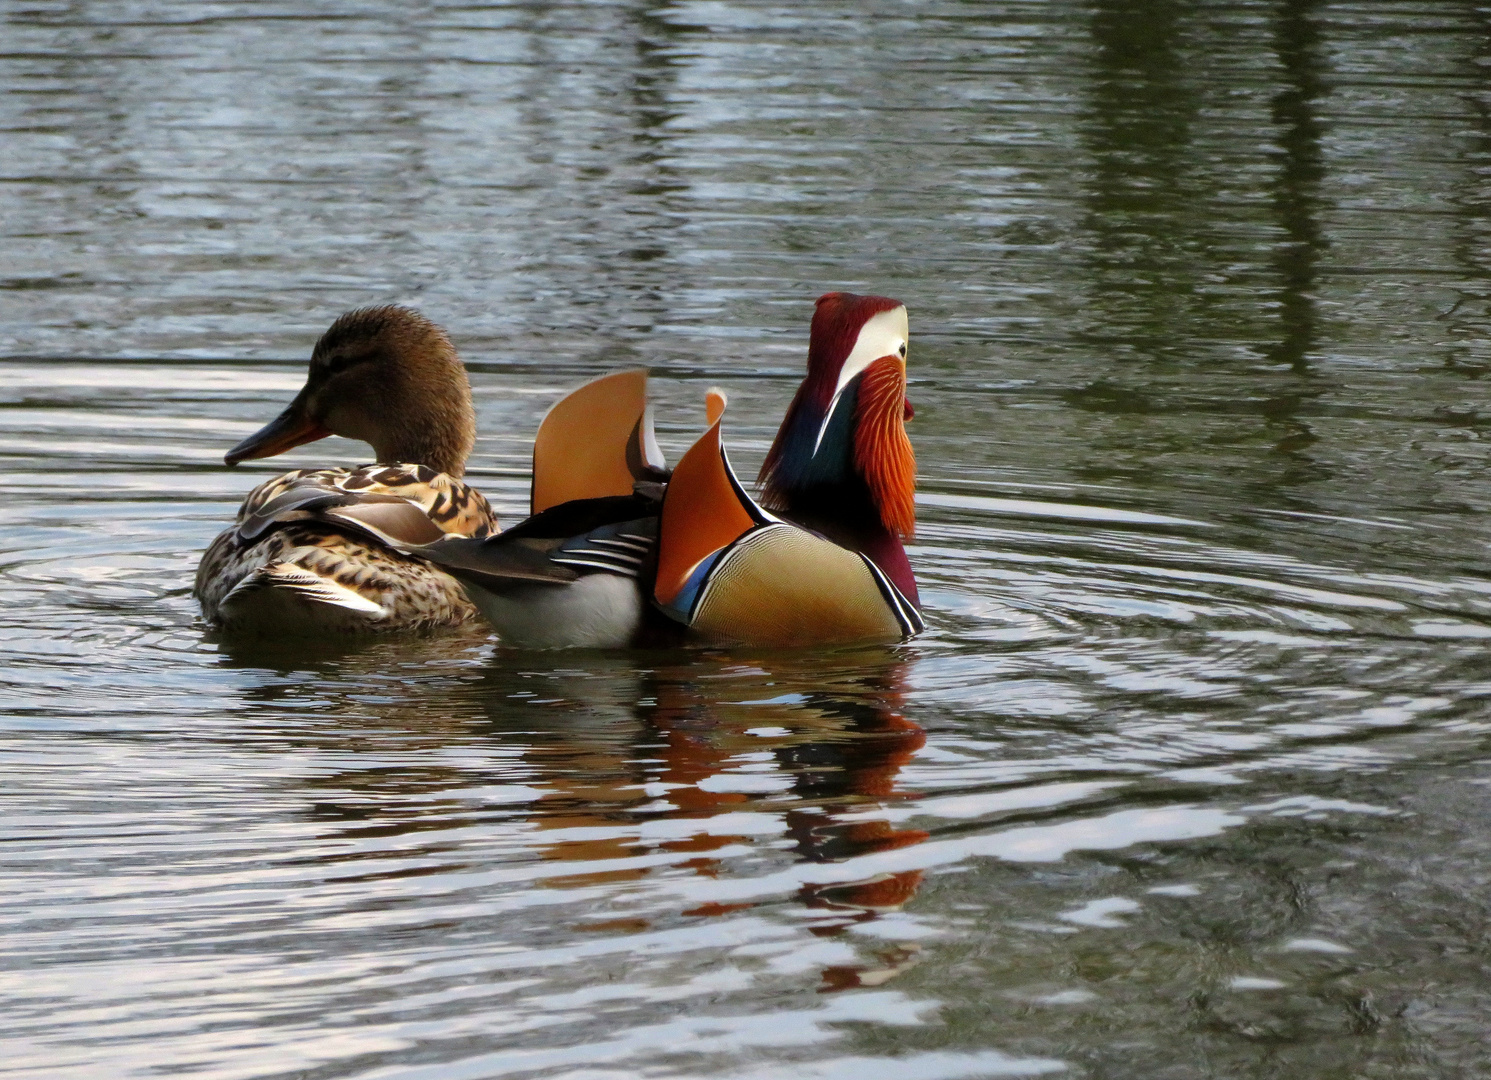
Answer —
(848, 417)
(387, 376)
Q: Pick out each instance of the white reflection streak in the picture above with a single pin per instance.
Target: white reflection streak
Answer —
(941, 1065)
(1069, 511)
(1035, 843)
(698, 1035)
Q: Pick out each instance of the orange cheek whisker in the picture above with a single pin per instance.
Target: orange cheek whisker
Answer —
(882, 452)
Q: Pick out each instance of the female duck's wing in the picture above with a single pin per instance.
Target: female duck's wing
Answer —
(731, 571)
(453, 505)
(321, 550)
(309, 579)
(596, 441)
(399, 505)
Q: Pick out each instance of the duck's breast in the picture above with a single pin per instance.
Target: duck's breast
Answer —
(784, 586)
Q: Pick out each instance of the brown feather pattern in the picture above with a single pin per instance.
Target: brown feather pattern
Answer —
(412, 593)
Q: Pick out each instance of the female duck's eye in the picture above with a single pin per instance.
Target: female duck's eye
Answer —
(903, 350)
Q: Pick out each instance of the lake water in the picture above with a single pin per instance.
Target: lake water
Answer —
(1190, 775)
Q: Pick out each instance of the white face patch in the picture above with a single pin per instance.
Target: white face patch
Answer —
(883, 334)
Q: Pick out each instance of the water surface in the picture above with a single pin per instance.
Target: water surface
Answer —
(1189, 776)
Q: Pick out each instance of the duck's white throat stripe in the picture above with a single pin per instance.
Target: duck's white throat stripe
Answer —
(883, 334)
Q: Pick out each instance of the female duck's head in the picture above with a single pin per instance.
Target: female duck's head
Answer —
(846, 425)
(384, 375)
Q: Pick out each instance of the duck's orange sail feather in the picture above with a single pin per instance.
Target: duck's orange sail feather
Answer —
(595, 441)
(704, 510)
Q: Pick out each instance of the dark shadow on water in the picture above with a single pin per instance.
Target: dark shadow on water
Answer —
(348, 654)
(1139, 131)
(1299, 45)
(1468, 318)
(1162, 229)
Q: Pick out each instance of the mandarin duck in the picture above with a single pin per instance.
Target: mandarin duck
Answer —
(619, 552)
(328, 550)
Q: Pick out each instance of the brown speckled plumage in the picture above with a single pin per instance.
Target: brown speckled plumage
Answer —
(317, 550)
(242, 583)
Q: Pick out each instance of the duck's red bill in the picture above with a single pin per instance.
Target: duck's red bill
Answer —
(907, 412)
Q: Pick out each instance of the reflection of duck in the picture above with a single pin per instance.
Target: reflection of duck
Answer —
(612, 565)
(689, 789)
(842, 746)
(819, 748)
(314, 550)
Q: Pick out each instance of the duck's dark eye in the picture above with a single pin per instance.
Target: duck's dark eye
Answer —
(341, 360)
(903, 351)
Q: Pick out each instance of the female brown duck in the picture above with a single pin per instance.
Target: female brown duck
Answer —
(314, 551)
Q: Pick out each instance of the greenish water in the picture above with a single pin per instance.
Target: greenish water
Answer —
(1190, 775)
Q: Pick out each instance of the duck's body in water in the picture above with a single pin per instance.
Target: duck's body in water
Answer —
(316, 551)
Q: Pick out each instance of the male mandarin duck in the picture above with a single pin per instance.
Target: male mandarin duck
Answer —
(829, 564)
(612, 558)
(318, 550)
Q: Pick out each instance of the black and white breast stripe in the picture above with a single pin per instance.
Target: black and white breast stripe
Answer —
(904, 610)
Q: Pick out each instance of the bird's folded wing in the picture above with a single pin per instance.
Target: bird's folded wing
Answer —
(453, 505)
(386, 518)
(496, 562)
(557, 547)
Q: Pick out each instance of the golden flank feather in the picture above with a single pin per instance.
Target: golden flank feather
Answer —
(786, 587)
(731, 572)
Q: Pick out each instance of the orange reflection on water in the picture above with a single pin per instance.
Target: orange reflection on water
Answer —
(819, 751)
